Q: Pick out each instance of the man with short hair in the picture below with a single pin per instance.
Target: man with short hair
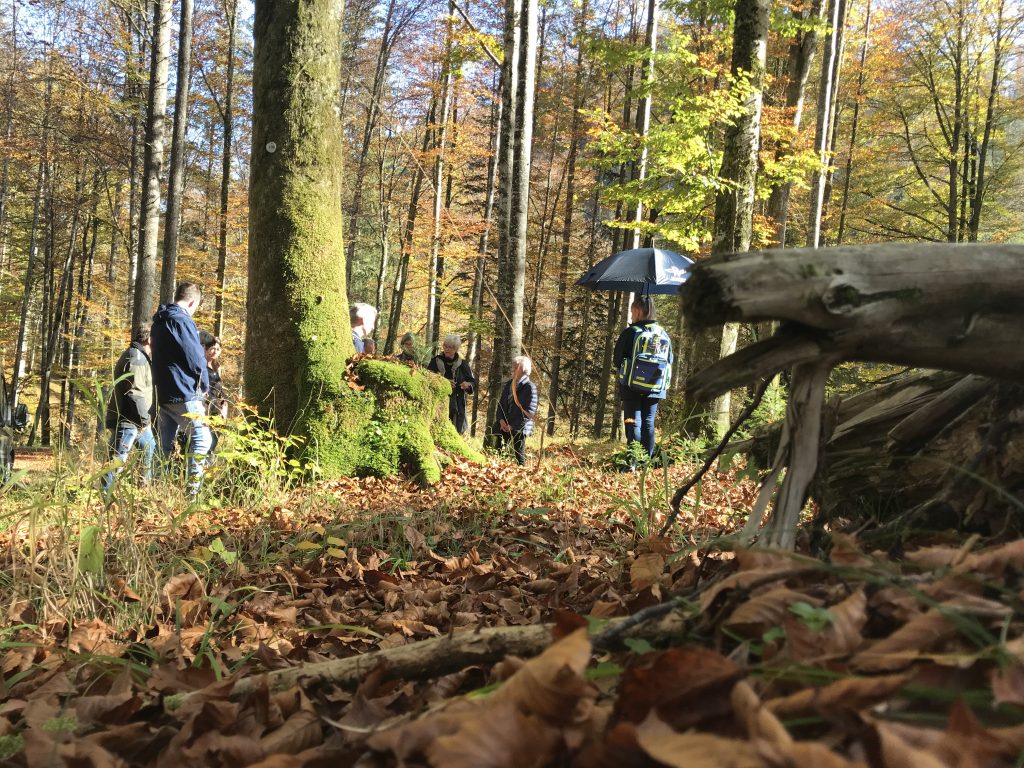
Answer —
(131, 408)
(363, 318)
(179, 372)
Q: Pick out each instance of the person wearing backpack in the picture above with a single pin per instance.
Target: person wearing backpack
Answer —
(643, 357)
(458, 372)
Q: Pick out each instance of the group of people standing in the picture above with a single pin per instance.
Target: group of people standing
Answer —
(165, 383)
(643, 358)
(168, 381)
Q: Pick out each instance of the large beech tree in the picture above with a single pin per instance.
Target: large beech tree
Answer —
(298, 334)
(297, 331)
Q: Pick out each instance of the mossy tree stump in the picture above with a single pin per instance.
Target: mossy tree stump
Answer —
(298, 335)
(395, 421)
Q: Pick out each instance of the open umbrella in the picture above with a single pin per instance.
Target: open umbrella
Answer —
(640, 270)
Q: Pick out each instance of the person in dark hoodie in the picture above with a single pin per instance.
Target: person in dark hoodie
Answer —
(458, 372)
(131, 408)
(181, 379)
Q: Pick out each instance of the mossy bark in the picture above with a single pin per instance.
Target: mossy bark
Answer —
(298, 335)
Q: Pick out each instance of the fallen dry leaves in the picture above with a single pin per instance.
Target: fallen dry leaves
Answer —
(785, 662)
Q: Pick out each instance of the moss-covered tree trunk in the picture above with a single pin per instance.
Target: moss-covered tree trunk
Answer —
(297, 330)
(298, 335)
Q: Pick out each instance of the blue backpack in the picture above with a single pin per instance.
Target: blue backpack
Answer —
(648, 367)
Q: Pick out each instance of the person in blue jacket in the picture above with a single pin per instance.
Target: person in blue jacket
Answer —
(181, 380)
(516, 409)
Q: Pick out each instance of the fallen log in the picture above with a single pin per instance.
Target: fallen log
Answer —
(954, 307)
(437, 656)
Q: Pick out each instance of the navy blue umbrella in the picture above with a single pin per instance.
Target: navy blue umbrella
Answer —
(641, 270)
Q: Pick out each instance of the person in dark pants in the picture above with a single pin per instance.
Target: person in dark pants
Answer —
(516, 409)
(640, 400)
(458, 372)
(182, 381)
(131, 409)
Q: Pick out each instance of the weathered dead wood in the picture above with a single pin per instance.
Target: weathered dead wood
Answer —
(957, 307)
(437, 656)
(954, 307)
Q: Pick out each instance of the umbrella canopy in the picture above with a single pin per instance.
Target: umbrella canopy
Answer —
(640, 270)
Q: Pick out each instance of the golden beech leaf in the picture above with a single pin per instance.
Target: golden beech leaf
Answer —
(765, 610)
(551, 684)
(839, 637)
(761, 725)
(923, 633)
(693, 750)
(896, 752)
(995, 560)
(300, 731)
(742, 580)
(846, 552)
(646, 571)
(505, 738)
(846, 695)
(1008, 685)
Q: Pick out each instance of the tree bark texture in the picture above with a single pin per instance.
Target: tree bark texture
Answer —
(153, 162)
(176, 181)
(734, 204)
(231, 9)
(297, 331)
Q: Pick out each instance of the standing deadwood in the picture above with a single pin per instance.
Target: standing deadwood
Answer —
(440, 140)
(853, 126)
(518, 75)
(734, 204)
(801, 54)
(152, 165)
(231, 11)
(582, 81)
(826, 110)
(176, 180)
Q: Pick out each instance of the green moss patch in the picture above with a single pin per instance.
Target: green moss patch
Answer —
(396, 423)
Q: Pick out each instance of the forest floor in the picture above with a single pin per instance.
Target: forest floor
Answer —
(175, 648)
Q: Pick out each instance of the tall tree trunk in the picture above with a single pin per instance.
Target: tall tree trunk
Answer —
(801, 54)
(372, 115)
(33, 247)
(481, 258)
(734, 205)
(518, 74)
(153, 161)
(384, 217)
(978, 198)
(231, 9)
(567, 220)
(826, 108)
(408, 235)
(297, 330)
(440, 139)
(176, 181)
(8, 132)
(853, 125)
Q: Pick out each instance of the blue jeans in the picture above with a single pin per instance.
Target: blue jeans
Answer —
(124, 436)
(187, 417)
(638, 412)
